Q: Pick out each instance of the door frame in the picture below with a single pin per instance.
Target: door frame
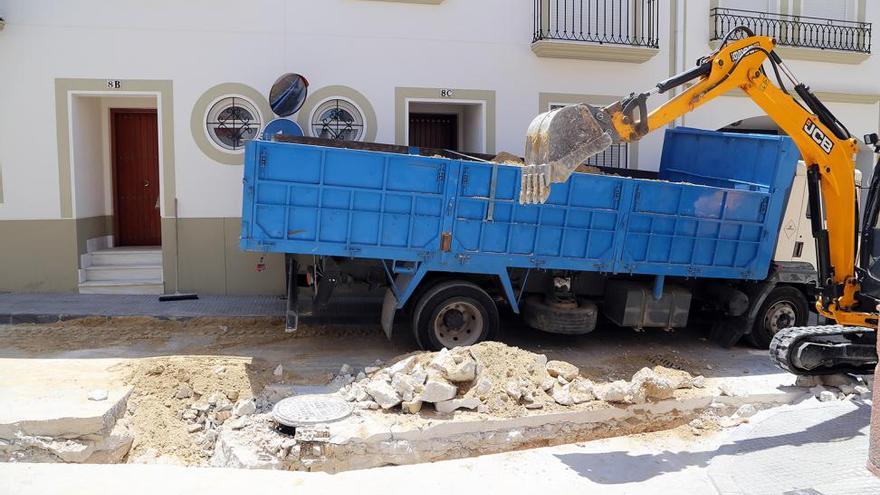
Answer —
(112, 126)
(484, 141)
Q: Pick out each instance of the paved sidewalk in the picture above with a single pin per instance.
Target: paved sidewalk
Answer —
(810, 448)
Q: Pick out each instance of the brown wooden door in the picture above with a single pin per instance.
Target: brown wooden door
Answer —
(433, 130)
(136, 177)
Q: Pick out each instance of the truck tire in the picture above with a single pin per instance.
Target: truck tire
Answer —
(540, 315)
(454, 313)
(784, 307)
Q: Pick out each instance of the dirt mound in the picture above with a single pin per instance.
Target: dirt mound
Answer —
(165, 391)
(499, 380)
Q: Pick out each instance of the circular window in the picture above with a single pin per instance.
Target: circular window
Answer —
(337, 118)
(232, 121)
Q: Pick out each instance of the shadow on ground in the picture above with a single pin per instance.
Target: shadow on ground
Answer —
(618, 467)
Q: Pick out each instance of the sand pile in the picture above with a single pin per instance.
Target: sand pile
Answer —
(178, 402)
(498, 380)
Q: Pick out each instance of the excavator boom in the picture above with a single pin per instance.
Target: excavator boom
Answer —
(561, 140)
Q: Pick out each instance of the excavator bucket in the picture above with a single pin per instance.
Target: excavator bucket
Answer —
(557, 143)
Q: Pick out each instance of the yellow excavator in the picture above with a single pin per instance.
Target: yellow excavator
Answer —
(848, 290)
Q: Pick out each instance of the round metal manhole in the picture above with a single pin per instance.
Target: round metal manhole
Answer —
(305, 410)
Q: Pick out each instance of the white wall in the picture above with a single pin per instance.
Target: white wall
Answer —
(368, 45)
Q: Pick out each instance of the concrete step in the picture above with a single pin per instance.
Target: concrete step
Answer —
(149, 286)
(126, 256)
(124, 272)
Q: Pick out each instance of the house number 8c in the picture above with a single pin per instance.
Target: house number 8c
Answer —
(447, 93)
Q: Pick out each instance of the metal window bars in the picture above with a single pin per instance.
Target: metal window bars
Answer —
(796, 30)
(613, 22)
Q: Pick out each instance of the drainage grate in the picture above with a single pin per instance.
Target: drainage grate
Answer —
(658, 360)
(305, 410)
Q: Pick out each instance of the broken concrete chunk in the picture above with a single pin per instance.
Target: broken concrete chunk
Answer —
(367, 404)
(616, 391)
(448, 406)
(861, 390)
(727, 389)
(465, 371)
(654, 385)
(98, 394)
(403, 366)
(194, 428)
(513, 389)
(244, 407)
(699, 381)
(438, 390)
(548, 383)
(581, 390)
(345, 369)
(383, 393)
(183, 392)
(567, 371)
(279, 370)
(562, 395)
(746, 411)
(411, 407)
(827, 395)
(483, 386)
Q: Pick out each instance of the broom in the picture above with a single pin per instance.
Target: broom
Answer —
(177, 296)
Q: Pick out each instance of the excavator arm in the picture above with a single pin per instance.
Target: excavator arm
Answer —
(560, 140)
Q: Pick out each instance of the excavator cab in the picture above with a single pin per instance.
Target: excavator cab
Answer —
(869, 252)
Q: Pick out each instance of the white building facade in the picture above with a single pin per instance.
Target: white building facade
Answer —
(123, 122)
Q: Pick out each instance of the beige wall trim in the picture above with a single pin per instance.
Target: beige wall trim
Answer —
(90, 228)
(200, 109)
(162, 89)
(588, 51)
(38, 255)
(818, 55)
(211, 261)
(316, 98)
(402, 95)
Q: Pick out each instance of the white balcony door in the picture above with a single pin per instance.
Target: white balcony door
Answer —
(753, 5)
(830, 9)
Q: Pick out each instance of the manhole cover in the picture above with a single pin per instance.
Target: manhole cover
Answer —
(310, 409)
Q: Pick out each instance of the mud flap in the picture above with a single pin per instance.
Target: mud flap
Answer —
(729, 331)
(389, 310)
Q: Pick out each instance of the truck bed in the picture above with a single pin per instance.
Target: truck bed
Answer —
(714, 211)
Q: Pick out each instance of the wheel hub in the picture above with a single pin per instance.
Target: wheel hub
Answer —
(779, 316)
(458, 323)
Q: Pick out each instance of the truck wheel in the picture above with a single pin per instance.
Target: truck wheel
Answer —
(784, 307)
(577, 320)
(453, 314)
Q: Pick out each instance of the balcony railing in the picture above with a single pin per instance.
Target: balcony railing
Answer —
(795, 30)
(613, 22)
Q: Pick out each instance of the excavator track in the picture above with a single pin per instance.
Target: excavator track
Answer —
(825, 350)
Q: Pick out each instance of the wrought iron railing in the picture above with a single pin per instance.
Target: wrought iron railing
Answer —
(615, 156)
(614, 22)
(796, 30)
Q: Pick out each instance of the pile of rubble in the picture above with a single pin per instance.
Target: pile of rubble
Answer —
(499, 380)
(835, 387)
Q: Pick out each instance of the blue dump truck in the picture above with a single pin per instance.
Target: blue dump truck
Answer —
(451, 244)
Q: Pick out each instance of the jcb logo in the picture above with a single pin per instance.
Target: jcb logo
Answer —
(821, 139)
